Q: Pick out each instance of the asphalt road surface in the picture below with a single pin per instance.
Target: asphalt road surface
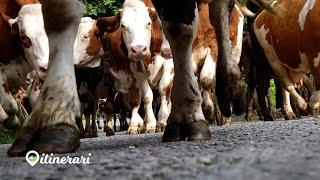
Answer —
(257, 150)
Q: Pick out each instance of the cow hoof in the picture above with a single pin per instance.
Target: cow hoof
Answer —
(134, 130)
(61, 138)
(290, 116)
(152, 130)
(223, 121)
(160, 127)
(109, 132)
(88, 133)
(174, 132)
(199, 131)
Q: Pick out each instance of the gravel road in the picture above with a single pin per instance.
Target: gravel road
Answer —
(256, 150)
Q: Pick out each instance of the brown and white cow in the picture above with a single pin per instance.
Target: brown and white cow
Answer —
(205, 55)
(24, 47)
(133, 37)
(291, 45)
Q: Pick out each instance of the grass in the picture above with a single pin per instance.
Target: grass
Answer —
(7, 136)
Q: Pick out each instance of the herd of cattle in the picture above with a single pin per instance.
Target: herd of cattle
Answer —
(160, 65)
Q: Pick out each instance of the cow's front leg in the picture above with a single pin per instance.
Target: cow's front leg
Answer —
(51, 127)
(136, 122)
(183, 122)
(141, 76)
(165, 86)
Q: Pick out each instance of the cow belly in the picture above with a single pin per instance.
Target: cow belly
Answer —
(295, 74)
(122, 81)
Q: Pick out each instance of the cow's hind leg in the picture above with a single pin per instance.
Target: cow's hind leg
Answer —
(184, 122)
(52, 127)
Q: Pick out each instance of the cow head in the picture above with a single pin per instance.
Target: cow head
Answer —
(135, 21)
(87, 46)
(34, 40)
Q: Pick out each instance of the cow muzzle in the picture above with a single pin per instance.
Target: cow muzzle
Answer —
(139, 52)
(41, 71)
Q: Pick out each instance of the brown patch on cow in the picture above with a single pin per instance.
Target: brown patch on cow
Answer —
(285, 40)
(205, 36)
(235, 18)
(25, 2)
(95, 44)
(135, 97)
(25, 40)
(9, 44)
(108, 24)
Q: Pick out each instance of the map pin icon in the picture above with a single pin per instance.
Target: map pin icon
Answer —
(32, 157)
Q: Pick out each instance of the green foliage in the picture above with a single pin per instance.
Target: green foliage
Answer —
(7, 136)
(98, 8)
(273, 93)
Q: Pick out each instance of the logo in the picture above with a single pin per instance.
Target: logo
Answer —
(33, 157)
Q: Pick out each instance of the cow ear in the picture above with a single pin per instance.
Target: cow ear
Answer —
(153, 14)
(13, 23)
(108, 24)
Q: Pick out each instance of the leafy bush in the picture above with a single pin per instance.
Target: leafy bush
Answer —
(98, 8)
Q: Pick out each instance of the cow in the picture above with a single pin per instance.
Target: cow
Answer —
(292, 50)
(205, 54)
(133, 37)
(23, 49)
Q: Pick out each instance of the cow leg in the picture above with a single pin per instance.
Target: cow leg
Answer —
(93, 120)
(136, 122)
(123, 120)
(262, 88)
(88, 129)
(51, 127)
(165, 86)
(229, 84)
(146, 95)
(80, 126)
(149, 119)
(154, 69)
(314, 103)
(109, 127)
(250, 97)
(286, 105)
(184, 122)
(207, 77)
